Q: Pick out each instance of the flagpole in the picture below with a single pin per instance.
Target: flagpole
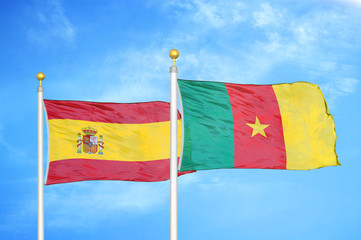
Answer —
(173, 148)
(40, 76)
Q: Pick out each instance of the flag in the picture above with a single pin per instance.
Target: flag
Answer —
(282, 126)
(108, 141)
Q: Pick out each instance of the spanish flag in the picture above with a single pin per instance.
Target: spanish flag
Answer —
(282, 126)
(108, 141)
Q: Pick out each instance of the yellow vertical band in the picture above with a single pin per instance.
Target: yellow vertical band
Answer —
(308, 128)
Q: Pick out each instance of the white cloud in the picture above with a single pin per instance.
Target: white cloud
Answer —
(306, 41)
(52, 23)
(283, 37)
(338, 87)
(13, 152)
(347, 85)
(215, 14)
(304, 34)
(352, 2)
(268, 16)
(188, 180)
(214, 187)
(133, 76)
(87, 203)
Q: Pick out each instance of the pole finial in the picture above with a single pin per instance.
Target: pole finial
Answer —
(40, 76)
(173, 54)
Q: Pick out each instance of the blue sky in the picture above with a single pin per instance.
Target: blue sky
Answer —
(117, 51)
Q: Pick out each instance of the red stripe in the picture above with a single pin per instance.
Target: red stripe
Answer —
(249, 101)
(75, 170)
(147, 112)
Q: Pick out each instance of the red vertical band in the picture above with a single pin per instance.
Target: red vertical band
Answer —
(258, 151)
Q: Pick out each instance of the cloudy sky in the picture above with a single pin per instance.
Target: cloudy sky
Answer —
(117, 51)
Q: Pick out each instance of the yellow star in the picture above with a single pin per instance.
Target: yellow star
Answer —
(258, 128)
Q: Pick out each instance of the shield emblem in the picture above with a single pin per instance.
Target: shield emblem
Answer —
(94, 144)
(90, 144)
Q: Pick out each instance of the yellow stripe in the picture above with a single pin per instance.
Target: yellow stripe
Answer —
(122, 142)
(308, 128)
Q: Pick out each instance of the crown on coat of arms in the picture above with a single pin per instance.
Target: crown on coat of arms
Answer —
(89, 131)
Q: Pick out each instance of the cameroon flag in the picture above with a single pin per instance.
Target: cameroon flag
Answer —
(282, 126)
(108, 141)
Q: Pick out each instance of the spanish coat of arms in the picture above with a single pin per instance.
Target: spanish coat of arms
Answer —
(90, 142)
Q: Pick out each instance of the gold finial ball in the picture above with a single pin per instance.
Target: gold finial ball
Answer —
(173, 53)
(40, 76)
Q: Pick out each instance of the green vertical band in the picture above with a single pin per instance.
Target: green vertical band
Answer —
(208, 126)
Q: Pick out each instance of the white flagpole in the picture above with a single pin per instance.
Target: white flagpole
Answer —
(40, 76)
(173, 148)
